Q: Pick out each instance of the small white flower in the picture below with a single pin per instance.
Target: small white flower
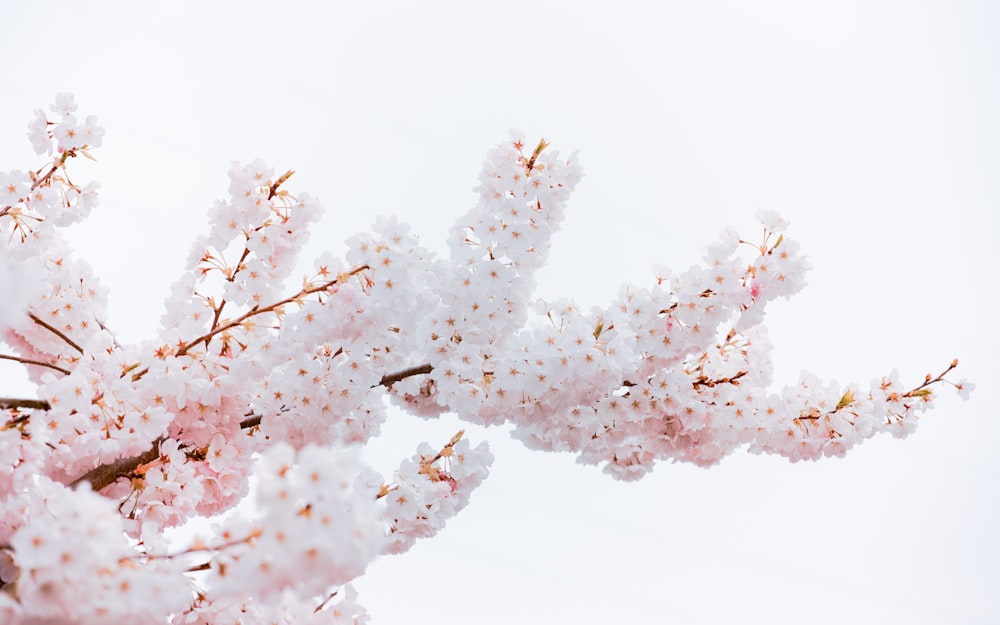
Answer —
(771, 220)
(964, 387)
(38, 133)
(65, 104)
(69, 135)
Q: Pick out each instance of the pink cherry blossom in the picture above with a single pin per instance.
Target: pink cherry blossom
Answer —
(260, 387)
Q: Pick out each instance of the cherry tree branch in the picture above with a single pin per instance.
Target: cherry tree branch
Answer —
(15, 403)
(38, 363)
(427, 466)
(253, 312)
(273, 189)
(928, 380)
(106, 474)
(53, 330)
(56, 166)
(44, 179)
(389, 379)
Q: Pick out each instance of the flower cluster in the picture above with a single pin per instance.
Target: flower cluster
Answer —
(424, 494)
(72, 563)
(314, 528)
(250, 376)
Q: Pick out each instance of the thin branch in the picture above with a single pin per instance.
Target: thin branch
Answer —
(325, 601)
(70, 153)
(734, 380)
(56, 332)
(53, 168)
(253, 312)
(273, 189)
(387, 381)
(918, 391)
(38, 363)
(14, 403)
(16, 422)
(391, 378)
(445, 452)
(426, 466)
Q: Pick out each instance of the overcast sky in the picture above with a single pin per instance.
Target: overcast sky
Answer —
(872, 127)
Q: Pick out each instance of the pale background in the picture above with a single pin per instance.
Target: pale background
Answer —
(871, 126)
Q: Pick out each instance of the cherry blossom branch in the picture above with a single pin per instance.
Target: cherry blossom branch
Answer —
(253, 420)
(70, 153)
(200, 548)
(323, 603)
(389, 379)
(446, 452)
(703, 381)
(14, 403)
(253, 312)
(427, 466)
(39, 363)
(256, 310)
(53, 330)
(921, 391)
(106, 474)
(273, 189)
(928, 380)
(37, 182)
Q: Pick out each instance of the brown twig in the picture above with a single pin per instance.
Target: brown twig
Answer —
(70, 153)
(273, 189)
(56, 332)
(253, 312)
(928, 380)
(387, 381)
(734, 380)
(44, 179)
(391, 378)
(38, 363)
(325, 601)
(426, 466)
(14, 403)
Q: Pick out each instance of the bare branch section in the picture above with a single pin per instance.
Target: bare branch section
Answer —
(15, 403)
(107, 474)
(389, 379)
(37, 363)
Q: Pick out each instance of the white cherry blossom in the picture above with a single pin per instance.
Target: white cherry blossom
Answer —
(254, 372)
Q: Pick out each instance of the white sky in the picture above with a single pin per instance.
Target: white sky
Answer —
(871, 126)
